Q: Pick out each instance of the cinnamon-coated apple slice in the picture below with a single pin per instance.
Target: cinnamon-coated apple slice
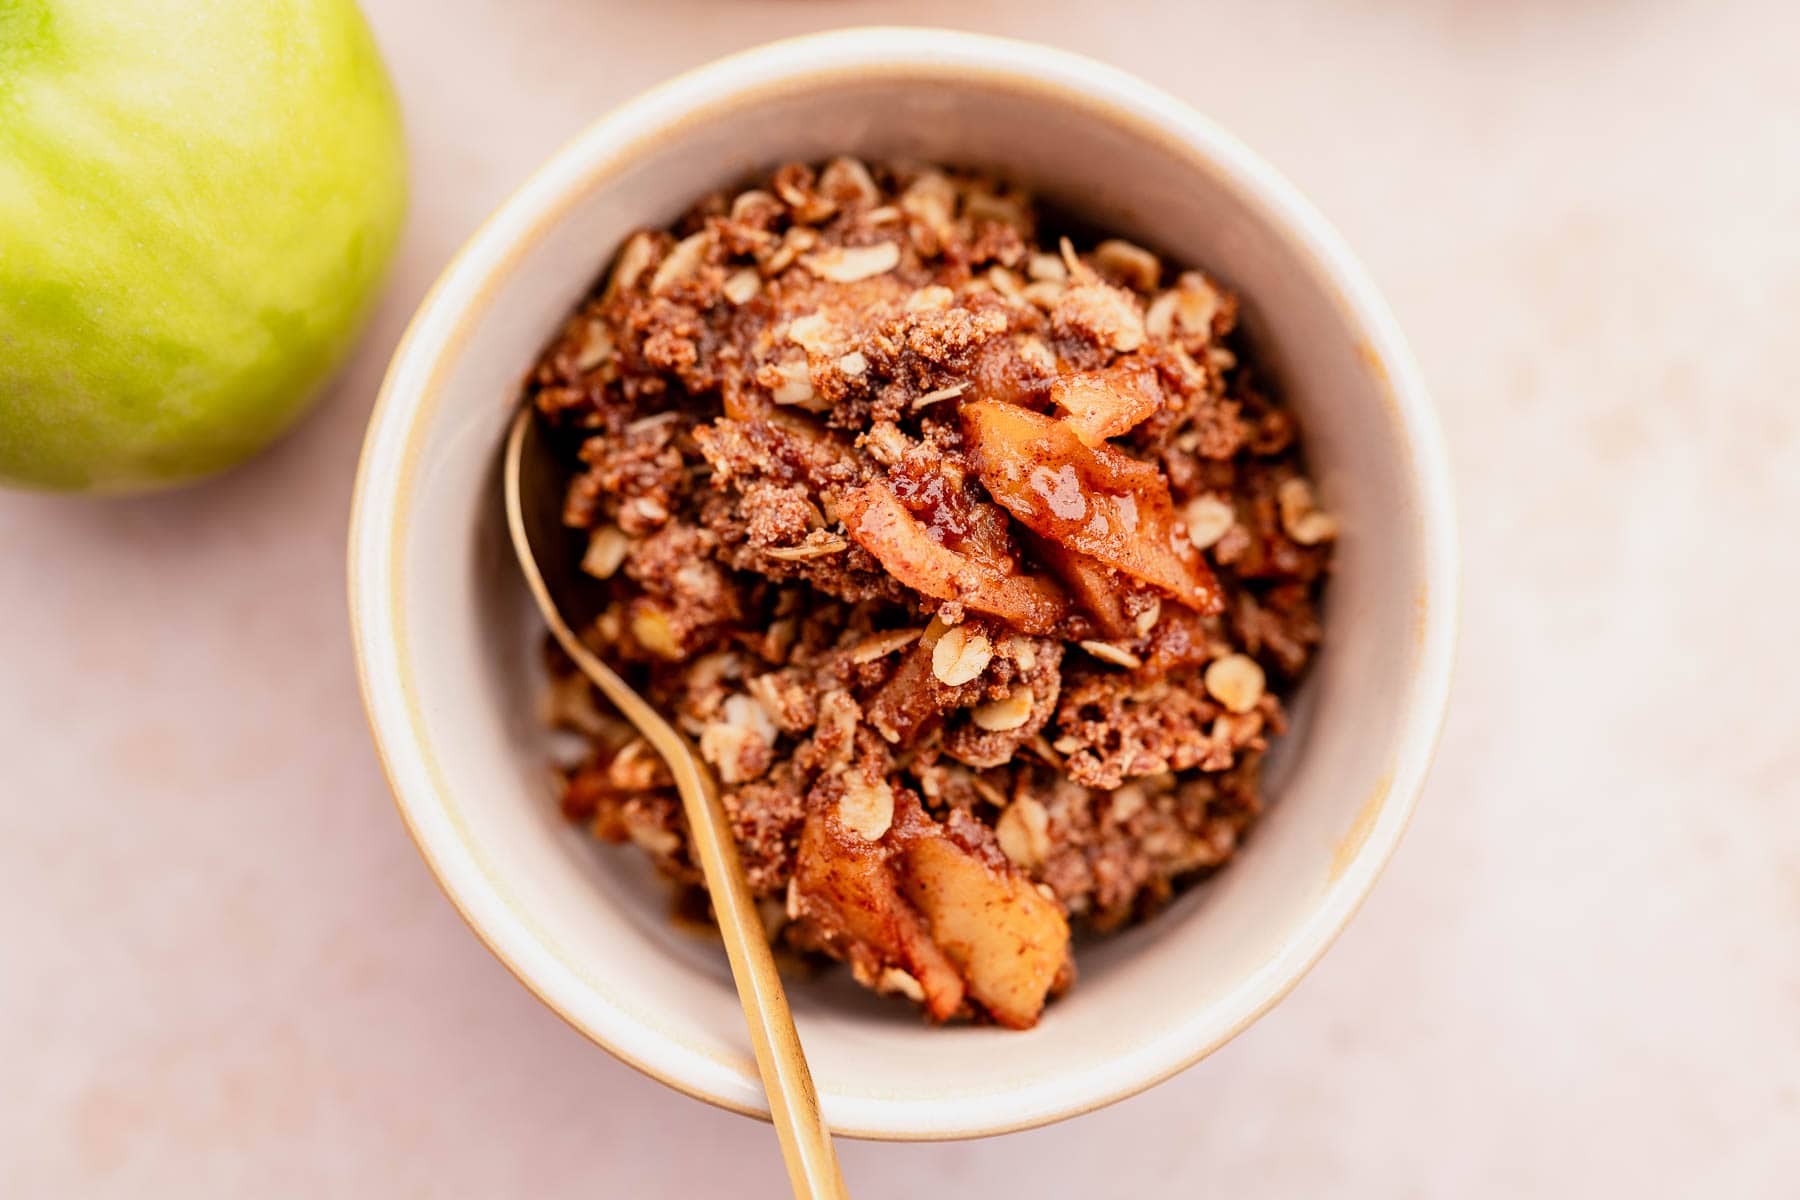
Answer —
(1109, 402)
(882, 525)
(1097, 500)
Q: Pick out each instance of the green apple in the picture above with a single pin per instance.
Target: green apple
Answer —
(197, 201)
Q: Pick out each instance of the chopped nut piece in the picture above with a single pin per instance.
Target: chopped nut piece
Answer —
(1023, 832)
(1188, 308)
(1134, 264)
(1196, 303)
(960, 655)
(817, 545)
(847, 264)
(745, 713)
(780, 639)
(643, 512)
(740, 287)
(1127, 802)
(931, 200)
(886, 443)
(848, 182)
(784, 699)
(682, 264)
(998, 716)
(651, 627)
(709, 671)
(1046, 267)
(1035, 353)
(881, 645)
(1077, 269)
(1146, 620)
(835, 733)
(731, 743)
(1237, 728)
(1236, 681)
(634, 259)
(637, 767)
(746, 204)
(1159, 318)
(1116, 655)
(943, 393)
(795, 242)
(1023, 652)
(853, 363)
(788, 183)
(596, 347)
(1301, 516)
(796, 388)
(894, 981)
(609, 626)
(767, 691)
(1207, 519)
(816, 333)
(988, 791)
(1103, 314)
(644, 424)
(930, 299)
(605, 552)
(866, 807)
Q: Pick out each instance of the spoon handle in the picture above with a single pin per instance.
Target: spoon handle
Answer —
(533, 506)
(793, 1103)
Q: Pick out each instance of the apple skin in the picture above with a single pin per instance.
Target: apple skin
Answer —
(198, 199)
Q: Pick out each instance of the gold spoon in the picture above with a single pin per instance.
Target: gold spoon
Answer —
(548, 555)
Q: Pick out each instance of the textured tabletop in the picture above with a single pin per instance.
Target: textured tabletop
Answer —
(225, 971)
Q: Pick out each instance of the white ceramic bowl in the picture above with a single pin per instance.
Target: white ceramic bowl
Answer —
(447, 648)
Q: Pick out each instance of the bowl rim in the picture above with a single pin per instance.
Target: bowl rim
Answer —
(459, 297)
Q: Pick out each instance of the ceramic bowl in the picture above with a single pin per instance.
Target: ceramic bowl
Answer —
(447, 647)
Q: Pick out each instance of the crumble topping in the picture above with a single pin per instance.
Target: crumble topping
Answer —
(975, 561)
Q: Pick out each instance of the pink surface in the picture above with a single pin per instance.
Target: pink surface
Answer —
(224, 970)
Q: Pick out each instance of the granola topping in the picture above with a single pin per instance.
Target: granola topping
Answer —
(977, 559)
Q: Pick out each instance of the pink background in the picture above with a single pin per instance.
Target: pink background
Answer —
(224, 970)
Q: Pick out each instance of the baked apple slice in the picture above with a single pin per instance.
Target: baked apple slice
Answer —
(1109, 402)
(1009, 940)
(1096, 500)
(886, 528)
(1096, 587)
(846, 884)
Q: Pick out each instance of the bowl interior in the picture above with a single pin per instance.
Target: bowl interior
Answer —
(450, 653)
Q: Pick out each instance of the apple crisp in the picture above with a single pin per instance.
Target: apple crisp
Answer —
(975, 558)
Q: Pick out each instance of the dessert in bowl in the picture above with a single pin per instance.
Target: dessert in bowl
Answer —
(448, 646)
(967, 557)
